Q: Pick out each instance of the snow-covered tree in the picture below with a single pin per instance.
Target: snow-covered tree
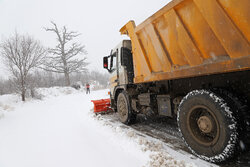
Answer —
(22, 54)
(65, 55)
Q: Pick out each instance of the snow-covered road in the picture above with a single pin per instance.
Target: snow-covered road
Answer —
(60, 132)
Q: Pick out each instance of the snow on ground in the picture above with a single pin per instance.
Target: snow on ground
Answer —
(61, 131)
(7, 103)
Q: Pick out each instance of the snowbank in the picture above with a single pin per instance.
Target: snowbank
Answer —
(55, 91)
(7, 103)
(10, 101)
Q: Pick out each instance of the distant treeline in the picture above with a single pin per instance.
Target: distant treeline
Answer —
(41, 79)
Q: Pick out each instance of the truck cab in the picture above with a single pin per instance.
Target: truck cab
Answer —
(120, 66)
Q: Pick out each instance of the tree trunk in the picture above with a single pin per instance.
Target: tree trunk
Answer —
(32, 93)
(23, 95)
(67, 80)
(23, 88)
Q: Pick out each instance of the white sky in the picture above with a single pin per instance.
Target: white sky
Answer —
(99, 21)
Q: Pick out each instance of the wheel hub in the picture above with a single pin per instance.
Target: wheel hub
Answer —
(205, 124)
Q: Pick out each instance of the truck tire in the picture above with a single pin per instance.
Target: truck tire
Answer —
(208, 126)
(124, 109)
(243, 117)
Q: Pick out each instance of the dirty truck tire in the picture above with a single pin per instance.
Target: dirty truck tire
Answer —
(208, 126)
(124, 109)
(243, 117)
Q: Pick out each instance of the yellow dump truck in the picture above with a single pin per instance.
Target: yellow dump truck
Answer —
(190, 61)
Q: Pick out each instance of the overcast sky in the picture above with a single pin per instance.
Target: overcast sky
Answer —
(98, 21)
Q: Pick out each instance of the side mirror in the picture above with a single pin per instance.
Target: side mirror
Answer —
(105, 62)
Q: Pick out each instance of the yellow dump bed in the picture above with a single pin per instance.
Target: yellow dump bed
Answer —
(188, 38)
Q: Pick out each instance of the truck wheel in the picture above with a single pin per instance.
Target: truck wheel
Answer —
(124, 109)
(243, 117)
(208, 126)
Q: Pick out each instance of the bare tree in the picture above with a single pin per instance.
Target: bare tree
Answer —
(21, 55)
(64, 55)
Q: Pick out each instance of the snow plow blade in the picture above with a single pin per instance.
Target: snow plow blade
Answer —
(102, 106)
